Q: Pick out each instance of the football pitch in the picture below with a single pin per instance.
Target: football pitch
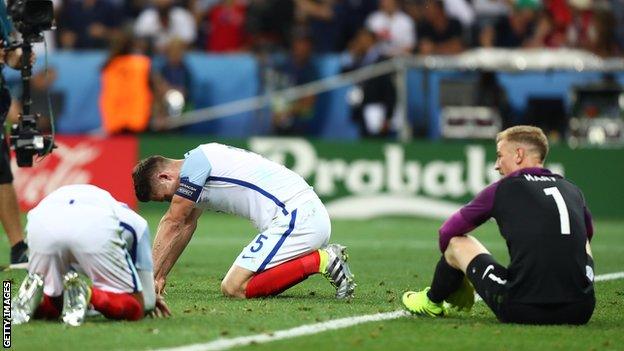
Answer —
(387, 255)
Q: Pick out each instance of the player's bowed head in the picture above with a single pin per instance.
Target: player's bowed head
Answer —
(156, 178)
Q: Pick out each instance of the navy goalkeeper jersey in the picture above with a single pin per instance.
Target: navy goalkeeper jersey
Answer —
(546, 224)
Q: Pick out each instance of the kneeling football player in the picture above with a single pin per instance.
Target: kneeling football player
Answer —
(82, 228)
(293, 225)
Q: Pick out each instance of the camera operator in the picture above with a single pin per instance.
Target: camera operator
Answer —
(9, 211)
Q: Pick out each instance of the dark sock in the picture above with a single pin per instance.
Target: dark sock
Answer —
(446, 280)
(18, 250)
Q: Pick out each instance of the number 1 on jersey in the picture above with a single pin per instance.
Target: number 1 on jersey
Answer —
(564, 217)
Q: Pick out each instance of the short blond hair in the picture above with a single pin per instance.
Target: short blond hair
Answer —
(529, 135)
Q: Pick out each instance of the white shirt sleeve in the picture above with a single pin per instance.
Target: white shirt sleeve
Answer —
(194, 174)
(149, 292)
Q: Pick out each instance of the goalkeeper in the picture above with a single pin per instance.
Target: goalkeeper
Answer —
(547, 228)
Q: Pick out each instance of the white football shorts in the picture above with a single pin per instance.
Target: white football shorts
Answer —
(305, 229)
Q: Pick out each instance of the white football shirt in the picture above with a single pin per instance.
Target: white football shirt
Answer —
(228, 179)
(132, 228)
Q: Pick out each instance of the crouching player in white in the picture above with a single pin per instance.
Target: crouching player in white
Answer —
(293, 225)
(83, 228)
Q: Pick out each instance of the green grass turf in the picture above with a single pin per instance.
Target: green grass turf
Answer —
(388, 256)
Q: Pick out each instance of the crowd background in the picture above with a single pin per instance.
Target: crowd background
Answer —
(146, 78)
(400, 26)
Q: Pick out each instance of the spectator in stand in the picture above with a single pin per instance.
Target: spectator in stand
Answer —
(171, 80)
(133, 8)
(580, 24)
(164, 22)
(460, 10)
(226, 26)
(174, 72)
(438, 33)
(597, 26)
(602, 39)
(416, 10)
(200, 8)
(126, 96)
(581, 18)
(555, 20)
(88, 24)
(295, 117)
(351, 16)
(372, 101)
(393, 27)
(320, 17)
(488, 12)
(617, 9)
(269, 24)
(519, 29)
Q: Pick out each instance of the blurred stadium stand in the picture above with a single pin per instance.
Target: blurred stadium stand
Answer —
(556, 55)
(220, 79)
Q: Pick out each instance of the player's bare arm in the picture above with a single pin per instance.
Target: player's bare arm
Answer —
(174, 232)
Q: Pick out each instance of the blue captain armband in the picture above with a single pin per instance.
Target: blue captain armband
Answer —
(193, 175)
(189, 190)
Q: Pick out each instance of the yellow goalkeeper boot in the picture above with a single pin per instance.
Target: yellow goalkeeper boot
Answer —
(463, 298)
(419, 303)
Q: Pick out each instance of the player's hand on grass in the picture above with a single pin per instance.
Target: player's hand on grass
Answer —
(161, 310)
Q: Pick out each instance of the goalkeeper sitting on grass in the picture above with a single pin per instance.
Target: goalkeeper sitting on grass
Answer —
(547, 228)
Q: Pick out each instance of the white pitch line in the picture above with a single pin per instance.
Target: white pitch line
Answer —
(309, 329)
(609, 276)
